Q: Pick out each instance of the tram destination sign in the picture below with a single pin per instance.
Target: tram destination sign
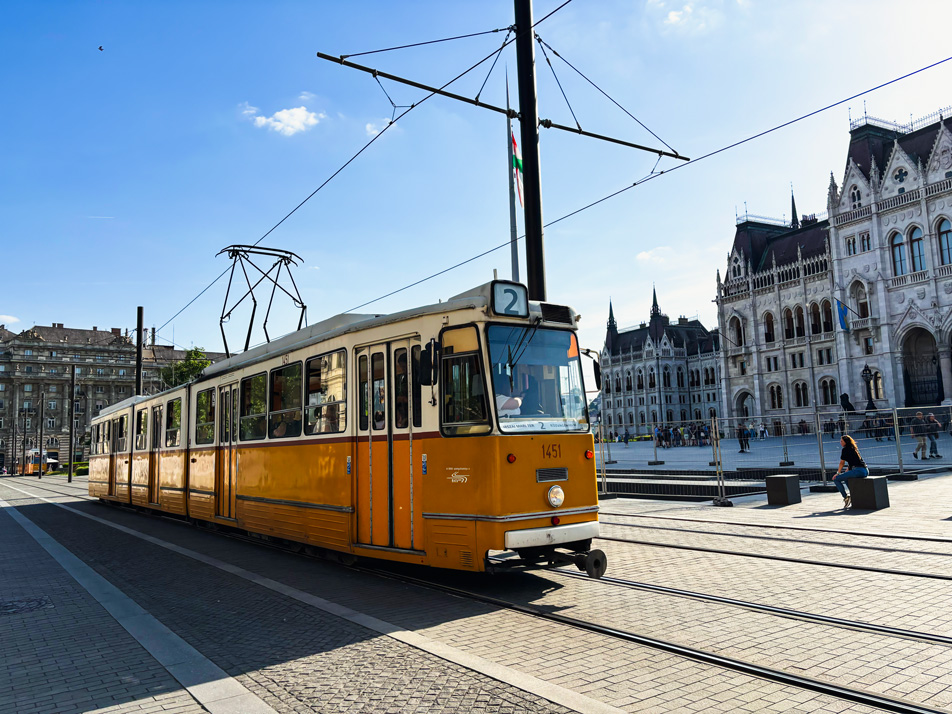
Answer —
(510, 299)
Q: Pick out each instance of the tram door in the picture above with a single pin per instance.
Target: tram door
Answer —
(155, 444)
(385, 479)
(113, 456)
(226, 463)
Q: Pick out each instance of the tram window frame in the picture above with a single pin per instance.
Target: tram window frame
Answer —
(173, 422)
(253, 426)
(448, 358)
(104, 437)
(121, 437)
(277, 417)
(142, 429)
(401, 389)
(417, 387)
(205, 417)
(94, 439)
(321, 413)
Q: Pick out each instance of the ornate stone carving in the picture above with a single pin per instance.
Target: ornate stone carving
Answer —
(921, 293)
(901, 298)
(948, 287)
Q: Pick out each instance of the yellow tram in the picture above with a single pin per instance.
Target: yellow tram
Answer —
(435, 436)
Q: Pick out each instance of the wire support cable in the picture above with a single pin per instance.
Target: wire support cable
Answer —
(567, 102)
(428, 42)
(544, 44)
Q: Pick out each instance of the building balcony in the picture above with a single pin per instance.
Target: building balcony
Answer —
(901, 281)
(943, 271)
(864, 323)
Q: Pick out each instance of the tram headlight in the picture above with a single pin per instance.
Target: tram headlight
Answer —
(556, 496)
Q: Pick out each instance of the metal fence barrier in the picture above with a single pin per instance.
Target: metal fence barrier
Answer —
(894, 442)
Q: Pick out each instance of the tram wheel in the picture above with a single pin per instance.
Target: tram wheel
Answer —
(596, 563)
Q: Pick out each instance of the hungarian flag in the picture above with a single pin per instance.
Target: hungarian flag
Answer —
(517, 167)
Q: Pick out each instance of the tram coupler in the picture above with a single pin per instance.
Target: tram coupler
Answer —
(592, 562)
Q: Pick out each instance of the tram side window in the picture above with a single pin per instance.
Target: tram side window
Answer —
(94, 440)
(104, 442)
(417, 387)
(364, 392)
(253, 420)
(173, 423)
(463, 384)
(205, 417)
(123, 431)
(285, 417)
(142, 429)
(326, 389)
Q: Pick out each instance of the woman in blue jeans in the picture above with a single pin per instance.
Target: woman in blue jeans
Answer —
(857, 467)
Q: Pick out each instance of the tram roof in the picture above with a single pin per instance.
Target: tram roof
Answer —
(124, 404)
(341, 325)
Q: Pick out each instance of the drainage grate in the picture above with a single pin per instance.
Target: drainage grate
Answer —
(17, 607)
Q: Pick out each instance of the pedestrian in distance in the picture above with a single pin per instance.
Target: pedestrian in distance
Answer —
(918, 430)
(627, 436)
(933, 428)
(851, 457)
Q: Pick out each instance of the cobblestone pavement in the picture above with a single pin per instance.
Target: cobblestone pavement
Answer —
(298, 659)
(61, 651)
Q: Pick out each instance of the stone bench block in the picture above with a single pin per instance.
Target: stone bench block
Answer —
(868, 494)
(783, 489)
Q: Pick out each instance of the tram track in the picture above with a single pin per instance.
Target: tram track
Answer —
(772, 526)
(813, 684)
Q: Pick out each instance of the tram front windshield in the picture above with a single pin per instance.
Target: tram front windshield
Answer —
(537, 379)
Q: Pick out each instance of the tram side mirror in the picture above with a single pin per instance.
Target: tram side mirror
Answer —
(429, 363)
(598, 375)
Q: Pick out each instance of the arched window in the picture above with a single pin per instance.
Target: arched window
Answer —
(640, 380)
(608, 385)
(680, 378)
(684, 415)
(856, 198)
(788, 324)
(631, 418)
(828, 391)
(628, 380)
(798, 316)
(737, 331)
(944, 230)
(801, 398)
(711, 413)
(898, 254)
(617, 383)
(877, 385)
(697, 413)
(915, 250)
(651, 379)
(768, 327)
(654, 416)
(815, 323)
(861, 300)
(642, 417)
(670, 416)
(609, 420)
(666, 377)
(827, 316)
(776, 397)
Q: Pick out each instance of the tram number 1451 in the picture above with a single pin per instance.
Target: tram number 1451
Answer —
(551, 451)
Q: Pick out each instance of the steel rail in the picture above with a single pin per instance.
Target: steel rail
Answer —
(782, 558)
(751, 536)
(898, 536)
(770, 609)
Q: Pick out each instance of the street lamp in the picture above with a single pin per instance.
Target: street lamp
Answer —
(867, 375)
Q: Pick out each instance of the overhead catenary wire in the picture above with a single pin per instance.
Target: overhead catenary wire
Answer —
(655, 174)
(367, 145)
(428, 42)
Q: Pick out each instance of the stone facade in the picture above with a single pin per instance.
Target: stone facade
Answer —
(35, 372)
(659, 372)
(883, 250)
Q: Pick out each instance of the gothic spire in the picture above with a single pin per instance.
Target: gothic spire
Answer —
(794, 221)
(612, 336)
(655, 310)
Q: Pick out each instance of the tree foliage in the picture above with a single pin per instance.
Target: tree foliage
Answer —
(185, 370)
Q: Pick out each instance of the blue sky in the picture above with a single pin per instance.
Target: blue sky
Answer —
(202, 124)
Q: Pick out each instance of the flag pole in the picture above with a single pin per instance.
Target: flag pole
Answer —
(513, 243)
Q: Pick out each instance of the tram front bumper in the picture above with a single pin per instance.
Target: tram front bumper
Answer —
(553, 535)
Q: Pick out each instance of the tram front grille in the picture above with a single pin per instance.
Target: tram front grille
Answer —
(544, 475)
(556, 313)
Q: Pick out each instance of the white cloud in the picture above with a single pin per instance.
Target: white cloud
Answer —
(314, 267)
(307, 97)
(8, 319)
(695, 17)
(655, 255)
(374, 128)
(286, 121)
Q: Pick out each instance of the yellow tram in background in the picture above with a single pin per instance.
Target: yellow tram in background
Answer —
(436, 436)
